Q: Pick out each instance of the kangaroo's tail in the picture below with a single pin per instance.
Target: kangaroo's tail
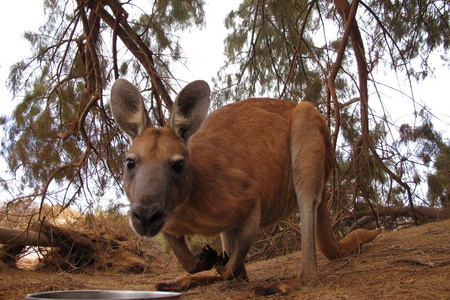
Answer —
(327, 242)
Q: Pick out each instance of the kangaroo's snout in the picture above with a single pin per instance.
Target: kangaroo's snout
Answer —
(147, 220)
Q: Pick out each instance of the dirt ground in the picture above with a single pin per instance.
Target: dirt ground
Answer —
(412, 263)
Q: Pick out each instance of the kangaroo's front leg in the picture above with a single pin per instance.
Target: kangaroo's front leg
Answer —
(236, 244)
(204, 260)
(201, 261)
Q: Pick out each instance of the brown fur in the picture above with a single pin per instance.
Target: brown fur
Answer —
(249, 165)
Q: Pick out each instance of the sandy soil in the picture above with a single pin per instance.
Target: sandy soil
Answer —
(412, 263)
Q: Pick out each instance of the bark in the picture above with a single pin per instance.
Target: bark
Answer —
(335, 69)
(70, 249)
(17, 237)
(135, 44)
(422, 213)
(45, 235)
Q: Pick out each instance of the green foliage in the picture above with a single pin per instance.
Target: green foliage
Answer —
(424, 134)
(439, 182)
(157, 27)
(408, 30)
(271, 39)
(263, 43)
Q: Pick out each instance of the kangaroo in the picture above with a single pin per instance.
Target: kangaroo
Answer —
(245, 166)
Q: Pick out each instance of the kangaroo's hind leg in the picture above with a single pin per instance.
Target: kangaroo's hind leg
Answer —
(311, 159)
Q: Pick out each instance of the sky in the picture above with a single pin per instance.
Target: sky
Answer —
(14, 47)
(203, 48)
(204, 52)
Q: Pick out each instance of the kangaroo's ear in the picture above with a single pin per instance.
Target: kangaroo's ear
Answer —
(128, 108)
(190, 109)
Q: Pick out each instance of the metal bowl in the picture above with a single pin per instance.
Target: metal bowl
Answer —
(104, 294)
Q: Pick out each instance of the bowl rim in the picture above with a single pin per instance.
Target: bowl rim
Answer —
(42, 295)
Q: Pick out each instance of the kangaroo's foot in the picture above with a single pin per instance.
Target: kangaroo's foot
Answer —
(285, 287)
(187, 282)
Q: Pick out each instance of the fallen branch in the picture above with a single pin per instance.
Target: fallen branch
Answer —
(422, 261)
(425, 214)
(17, 237)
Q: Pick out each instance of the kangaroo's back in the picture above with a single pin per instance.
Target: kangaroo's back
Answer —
(254, 137)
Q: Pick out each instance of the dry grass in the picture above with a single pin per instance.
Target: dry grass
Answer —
(412, 263)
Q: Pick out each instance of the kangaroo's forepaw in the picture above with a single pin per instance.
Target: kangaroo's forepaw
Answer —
(222, 259)
(205, 259)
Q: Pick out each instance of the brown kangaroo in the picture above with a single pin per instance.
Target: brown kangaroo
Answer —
(245, 166)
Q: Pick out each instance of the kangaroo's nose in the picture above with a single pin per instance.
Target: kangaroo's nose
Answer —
(147, 220)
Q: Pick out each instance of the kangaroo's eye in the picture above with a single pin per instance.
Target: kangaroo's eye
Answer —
(178, 167)
(130, 163)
